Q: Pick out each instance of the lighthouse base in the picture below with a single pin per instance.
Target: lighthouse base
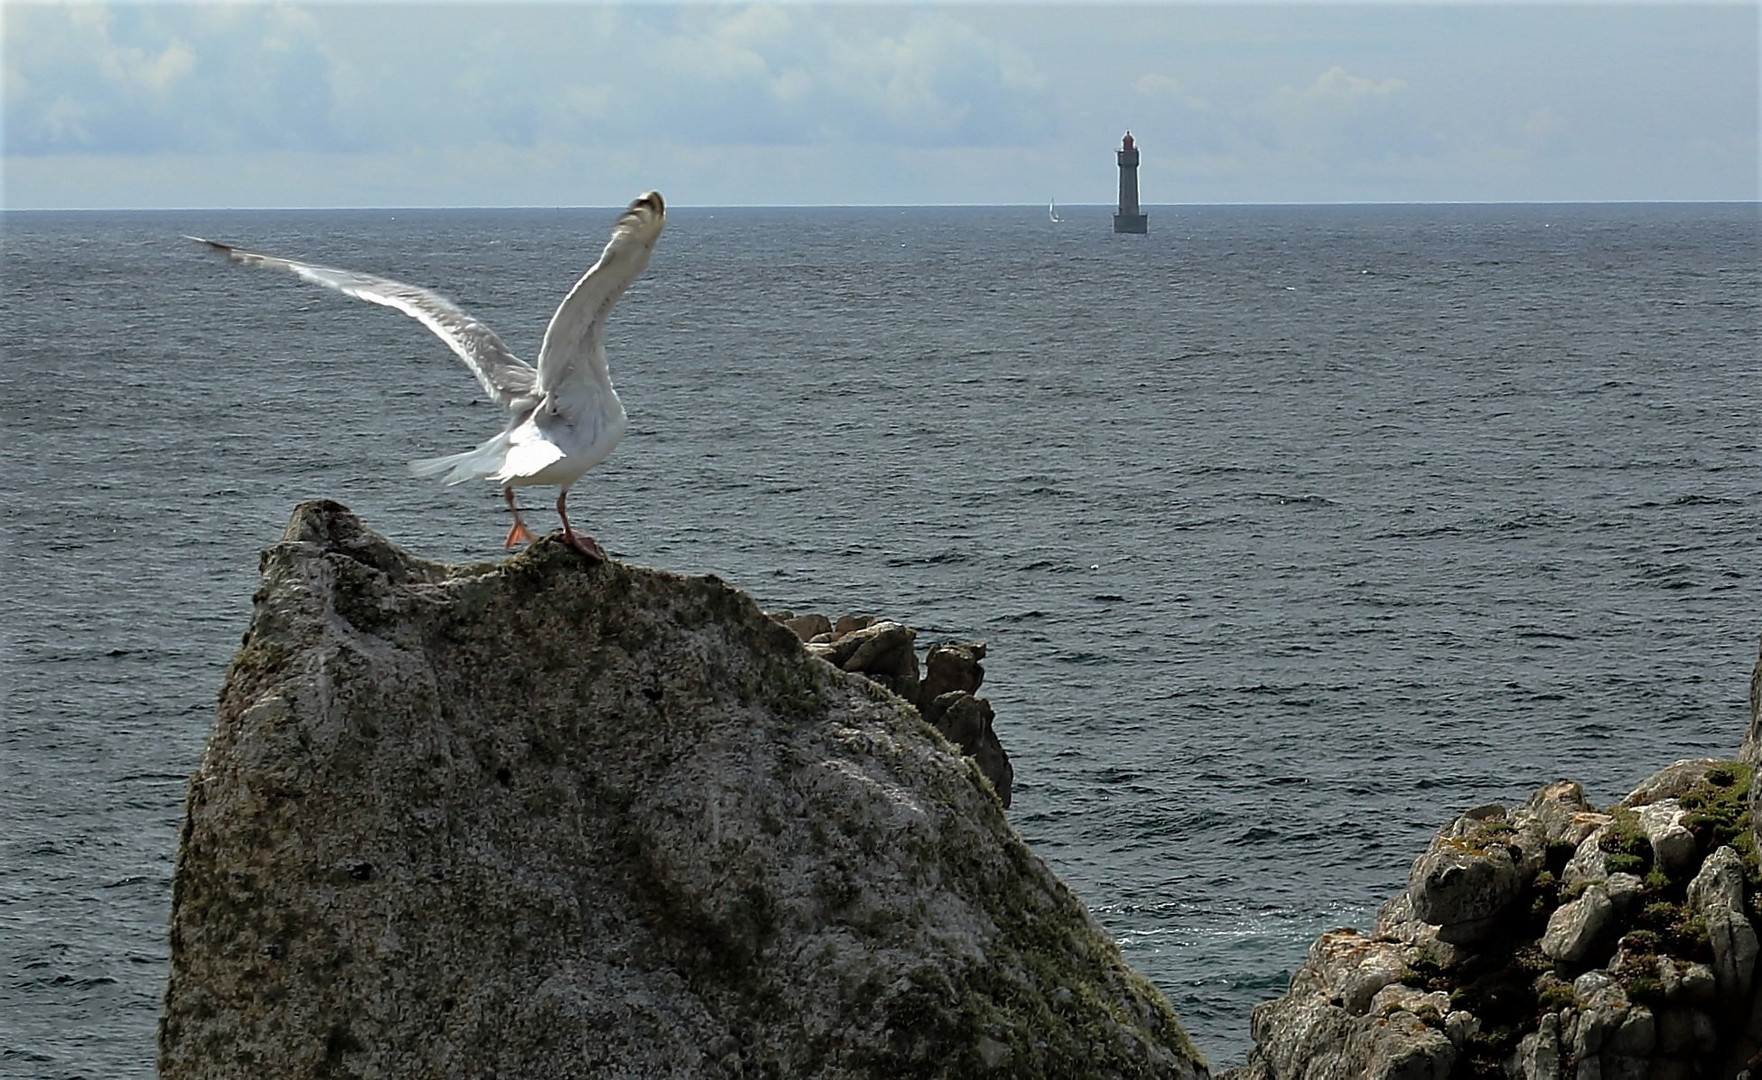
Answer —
(1131, 223)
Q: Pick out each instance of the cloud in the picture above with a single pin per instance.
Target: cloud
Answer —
(1336, 84)
(417, 101)
(348, 78)
(1346, 120)
(138, 78)
(886, 76)
(1167, 87)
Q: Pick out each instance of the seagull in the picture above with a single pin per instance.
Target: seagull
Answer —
(563, 417)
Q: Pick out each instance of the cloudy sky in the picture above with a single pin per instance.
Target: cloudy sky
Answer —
(566, 104)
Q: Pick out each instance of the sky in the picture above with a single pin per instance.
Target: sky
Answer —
(157, 105)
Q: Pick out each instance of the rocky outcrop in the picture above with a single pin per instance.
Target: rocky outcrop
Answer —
(1546, 941)
(1752, 749)
(883, 651)
(558, 818)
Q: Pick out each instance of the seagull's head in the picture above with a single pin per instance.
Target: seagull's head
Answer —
(646, 216)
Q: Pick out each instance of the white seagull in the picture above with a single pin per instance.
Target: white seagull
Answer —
(563, 417)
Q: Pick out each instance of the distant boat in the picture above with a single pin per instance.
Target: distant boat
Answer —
(1052, 211)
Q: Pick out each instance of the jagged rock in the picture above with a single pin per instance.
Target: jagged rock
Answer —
(966, 721)
(808, 627)
(1717, 896)
(1538, 1053)
(1638, 1004)
(850, 624)
(1352, 969)
(1590, 863)
(1304, 1037)
(950, 666)
(1671, 782)
(1576, 927)
(1467, 877)
(1751, 753)
(1699, 984)
(1561, 811)
(1348, 1015)
(1555, 815)
(1673, 845)
(1397, 997)
(1460, 1026)
(882, 650)
(1613, 1037)
(1401, 1047)
(556, 818)
(1625, 891)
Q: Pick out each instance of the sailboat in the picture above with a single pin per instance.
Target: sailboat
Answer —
(1052, 211)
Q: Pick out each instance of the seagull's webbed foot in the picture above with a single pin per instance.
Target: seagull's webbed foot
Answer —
(587, 545)
(581, 542)
(518, 531)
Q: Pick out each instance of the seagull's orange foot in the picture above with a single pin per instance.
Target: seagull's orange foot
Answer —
(518, 533)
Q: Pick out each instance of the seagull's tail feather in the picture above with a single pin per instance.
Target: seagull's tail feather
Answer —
(481, 463)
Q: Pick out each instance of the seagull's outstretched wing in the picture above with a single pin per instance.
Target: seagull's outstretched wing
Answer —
(506, 378)
(576, 334)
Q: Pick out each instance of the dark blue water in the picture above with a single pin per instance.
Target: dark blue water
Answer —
(1293, 530)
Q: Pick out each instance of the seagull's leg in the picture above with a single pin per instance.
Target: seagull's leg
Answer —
(587, 545)
(518, 531)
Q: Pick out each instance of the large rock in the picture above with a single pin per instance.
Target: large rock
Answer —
(882, 650)
(554, 818)
(1552, 942)
(1468, 876)
(1751, 753)
(1576, 927)
(1717, 896)
(952, 666)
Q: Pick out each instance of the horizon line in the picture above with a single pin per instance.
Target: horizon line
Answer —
(1754, 201)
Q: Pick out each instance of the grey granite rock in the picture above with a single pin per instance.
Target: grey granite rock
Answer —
(881, 650)
(1467, 877)
(1673, 846)
(1717, 896)
(1566, 968)
(951, 666)
(1579, 925)
(1589, 863)
(1538, 1053)
(1751, 753)
(554, 818)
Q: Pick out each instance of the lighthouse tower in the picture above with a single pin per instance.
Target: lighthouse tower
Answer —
(1129, 220)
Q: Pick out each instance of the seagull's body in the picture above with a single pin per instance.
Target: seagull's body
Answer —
(563, 417)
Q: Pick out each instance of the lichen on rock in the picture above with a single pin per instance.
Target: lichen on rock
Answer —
(554, 818)
(1546, 942)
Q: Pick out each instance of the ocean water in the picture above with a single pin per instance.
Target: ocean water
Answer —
(1294, 531)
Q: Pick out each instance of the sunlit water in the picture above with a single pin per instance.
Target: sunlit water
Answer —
(1293, 531)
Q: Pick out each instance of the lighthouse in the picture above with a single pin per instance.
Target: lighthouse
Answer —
(1129, 220)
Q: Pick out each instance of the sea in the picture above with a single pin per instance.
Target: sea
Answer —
(1293, 531)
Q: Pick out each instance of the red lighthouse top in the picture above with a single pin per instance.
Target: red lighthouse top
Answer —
(1126, 143)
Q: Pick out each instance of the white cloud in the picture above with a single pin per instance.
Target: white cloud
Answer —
(1336, 84)
(540, 101)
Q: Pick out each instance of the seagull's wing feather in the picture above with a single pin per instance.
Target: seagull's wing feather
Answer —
(506, 378)
(576, 335)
